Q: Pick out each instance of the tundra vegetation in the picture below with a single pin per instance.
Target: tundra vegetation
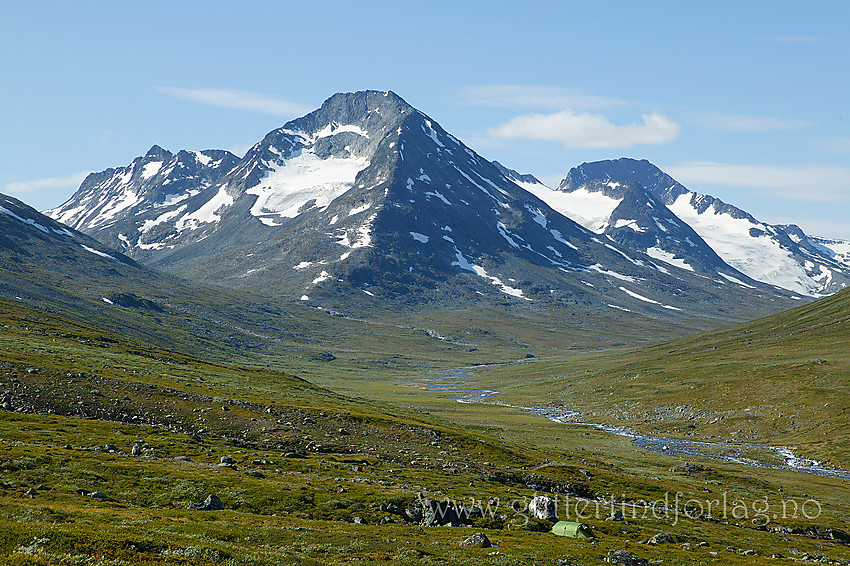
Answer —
(116, 451)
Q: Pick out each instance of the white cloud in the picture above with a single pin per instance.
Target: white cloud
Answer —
(39, 185)
(730, 122)
(813, 183)
(237, 100)
(584, 130)
(533, 97)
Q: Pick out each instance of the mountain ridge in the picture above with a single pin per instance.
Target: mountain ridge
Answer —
(779, 255)
(367, 201)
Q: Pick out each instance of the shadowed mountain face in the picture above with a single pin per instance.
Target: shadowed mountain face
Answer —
(368, 202)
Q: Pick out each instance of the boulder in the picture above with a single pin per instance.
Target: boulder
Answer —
(661, 538)
(626, 558)
(439, 513)
(478, 540)
(211, 503)
(614, 515)
(544, 508)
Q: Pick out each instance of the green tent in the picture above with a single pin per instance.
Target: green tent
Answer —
(572, 529)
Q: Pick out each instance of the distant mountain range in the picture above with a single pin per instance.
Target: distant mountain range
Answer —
(643, 208)
(369, 202)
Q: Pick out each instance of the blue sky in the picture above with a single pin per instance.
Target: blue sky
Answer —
(746, 101)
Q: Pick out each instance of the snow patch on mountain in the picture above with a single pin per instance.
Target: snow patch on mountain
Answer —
(208, 213)
(150, 169)
(735, 280)
(747, 246)
(590, 209)
(667, 257)
(304, 181)
(601, 269)
(161, 219)
(334, 128)
(97, 252)
(466, 265)
(363, 234)
(28, 221)
(647, 299)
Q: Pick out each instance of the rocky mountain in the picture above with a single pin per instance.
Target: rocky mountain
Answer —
(643, 208)
(368, 201)
(142, 197)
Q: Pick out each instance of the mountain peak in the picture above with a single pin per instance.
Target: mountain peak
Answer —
(622, 169)
(156, 152)
(366, 109)
(779, 255)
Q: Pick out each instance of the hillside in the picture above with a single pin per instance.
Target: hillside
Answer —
(781, 380)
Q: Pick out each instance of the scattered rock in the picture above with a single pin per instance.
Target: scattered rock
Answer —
(211, 503)
(359, 521)
(614, 515)
(294, 455)
(110, 448)
(440, 513)
(308, 420)
(137, 449)
(690, 469)
(544, 508)
(478, 540)
(661, 538)
(626, 558)
(182, 459)
(99, 495)
(228, 461)
(31, 492)
(256, 474)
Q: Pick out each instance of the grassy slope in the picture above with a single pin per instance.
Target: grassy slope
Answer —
(784, 379)
(298, 512)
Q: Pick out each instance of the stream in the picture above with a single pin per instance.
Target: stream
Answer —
(458, 385)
